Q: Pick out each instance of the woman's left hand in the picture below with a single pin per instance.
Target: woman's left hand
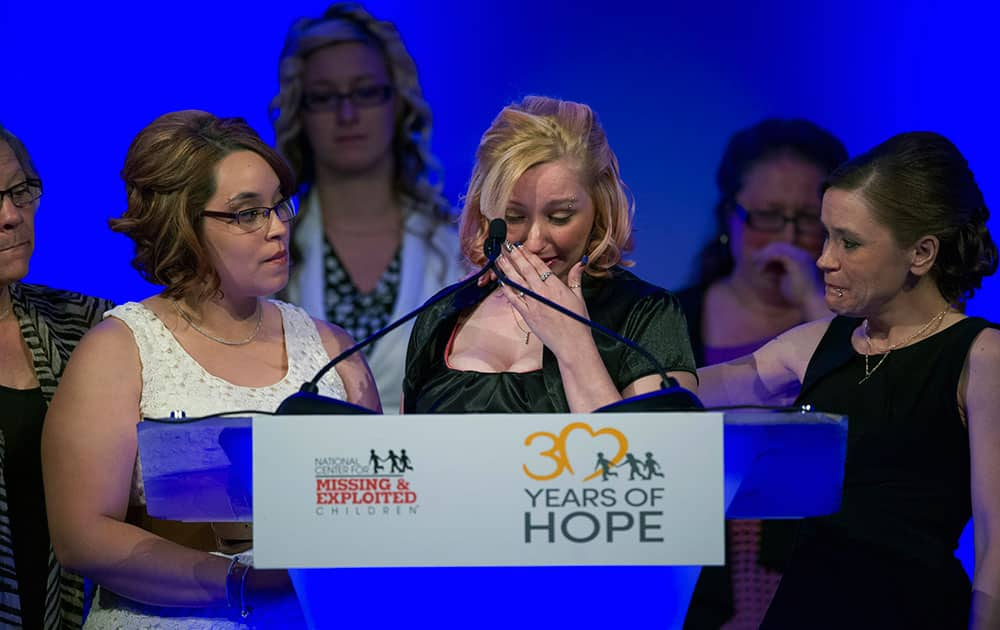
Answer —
(801, 283)
(556, 331)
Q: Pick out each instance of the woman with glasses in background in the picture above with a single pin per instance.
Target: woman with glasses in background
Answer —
(209, 213)
(375, 238)
(757, 279)
(39, 327)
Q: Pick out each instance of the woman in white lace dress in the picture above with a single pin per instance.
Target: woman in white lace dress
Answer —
(209, 213)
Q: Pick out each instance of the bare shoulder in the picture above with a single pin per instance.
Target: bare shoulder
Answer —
(808, 332)
(978, 395)
(982, 364)
(111, 339)
(102, 383)
(985, 351)
(335, 339)
(793, 348)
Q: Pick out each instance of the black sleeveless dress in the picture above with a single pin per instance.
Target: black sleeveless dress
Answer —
(886, 560)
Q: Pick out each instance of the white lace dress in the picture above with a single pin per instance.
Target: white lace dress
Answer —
(173, 380)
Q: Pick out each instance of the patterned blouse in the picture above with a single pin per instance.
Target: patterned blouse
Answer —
(51, 322)
(360, 314)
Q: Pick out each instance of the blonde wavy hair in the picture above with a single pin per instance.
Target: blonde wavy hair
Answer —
(169, 176)
(417, 170)
(536, 131)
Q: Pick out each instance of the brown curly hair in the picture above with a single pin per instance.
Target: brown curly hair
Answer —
(169, 176)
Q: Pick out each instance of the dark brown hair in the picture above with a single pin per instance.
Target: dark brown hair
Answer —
(919, 184)
(748, 147)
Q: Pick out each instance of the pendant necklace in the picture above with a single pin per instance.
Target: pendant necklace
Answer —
(928, 327)
(526, 333)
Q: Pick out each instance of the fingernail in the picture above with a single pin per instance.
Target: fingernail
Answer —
(519, 244)
(585, 260)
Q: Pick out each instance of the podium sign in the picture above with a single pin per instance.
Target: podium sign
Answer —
(488, 490)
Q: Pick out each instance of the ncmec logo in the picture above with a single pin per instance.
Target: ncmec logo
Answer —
(371, 485)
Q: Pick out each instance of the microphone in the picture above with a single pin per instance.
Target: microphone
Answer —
(308, 401)
(670, 396)
(495, 237)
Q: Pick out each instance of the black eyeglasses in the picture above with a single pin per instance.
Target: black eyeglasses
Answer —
(774, 221)
(366, 96)
(253, 219)
(24, 194)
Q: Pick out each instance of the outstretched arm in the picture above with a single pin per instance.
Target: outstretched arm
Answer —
(770, 376)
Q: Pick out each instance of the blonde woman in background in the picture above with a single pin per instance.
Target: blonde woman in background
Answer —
(375, 238)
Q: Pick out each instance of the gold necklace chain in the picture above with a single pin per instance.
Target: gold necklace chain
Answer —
(928, 327)
(226, 342)
(527, 333)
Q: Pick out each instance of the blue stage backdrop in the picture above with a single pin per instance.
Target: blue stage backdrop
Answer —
(670, 80)
(670, 83)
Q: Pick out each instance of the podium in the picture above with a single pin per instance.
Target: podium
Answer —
(776, 465)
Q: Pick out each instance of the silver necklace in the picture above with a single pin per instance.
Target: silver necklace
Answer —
(227, 342)
(935, 321)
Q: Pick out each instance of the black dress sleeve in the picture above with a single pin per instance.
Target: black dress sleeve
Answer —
(656, 322)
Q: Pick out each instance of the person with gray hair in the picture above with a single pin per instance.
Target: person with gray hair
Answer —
(376, 237)
(39, 328)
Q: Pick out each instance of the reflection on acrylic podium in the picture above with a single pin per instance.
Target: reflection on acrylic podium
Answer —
(776, 465)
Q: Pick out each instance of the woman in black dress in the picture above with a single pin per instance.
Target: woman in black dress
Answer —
(907, 245)
(545, 167)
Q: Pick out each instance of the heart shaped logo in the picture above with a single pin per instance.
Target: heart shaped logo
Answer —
(579, 445)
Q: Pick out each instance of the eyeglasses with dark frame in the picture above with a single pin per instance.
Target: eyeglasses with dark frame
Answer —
(253, 219)
(24, 194)
(774, 221)
(364, 96)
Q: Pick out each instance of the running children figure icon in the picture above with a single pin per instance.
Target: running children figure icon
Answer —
(605, 465)
(398, 464)
(376, 462)
(635, 467)
(404, 461)
(651, 467)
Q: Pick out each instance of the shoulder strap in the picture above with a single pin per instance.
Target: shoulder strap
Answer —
(833, 351)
